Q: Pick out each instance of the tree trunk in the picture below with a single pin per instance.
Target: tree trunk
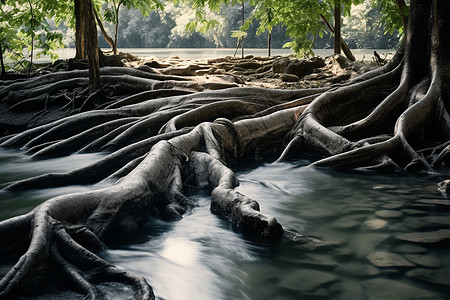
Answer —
(91, 43)
(108, 39)
(80, 31)
(116, 32)
(3, 71)
(344, 46)
(32, 22)
(393, 118)
(401, 8)
(243, 21)
(337, 27)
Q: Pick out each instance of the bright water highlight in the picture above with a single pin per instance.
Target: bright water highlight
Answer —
(372, 228)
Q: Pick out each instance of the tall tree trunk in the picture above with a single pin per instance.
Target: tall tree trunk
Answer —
(80, 31)
(401, 6)
(337, 27)
(269, 34)
(3, 72)
(87, 43)
(243, 21)
(348, 53)
(116, 34)
(106, 36)
(32, 23)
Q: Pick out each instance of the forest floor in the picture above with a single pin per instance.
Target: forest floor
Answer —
(277, 72)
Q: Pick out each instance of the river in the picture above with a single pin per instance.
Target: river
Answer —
(382, 236)
(206, 53)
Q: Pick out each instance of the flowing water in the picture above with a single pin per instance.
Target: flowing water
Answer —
(381, 237)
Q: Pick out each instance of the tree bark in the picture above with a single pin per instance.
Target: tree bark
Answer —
(108, 39)
(3, 72)
(243, 21)
(337, 27)
(80, 31)
(116, 32)
(348, 53)
(87, 10)
(401, 8)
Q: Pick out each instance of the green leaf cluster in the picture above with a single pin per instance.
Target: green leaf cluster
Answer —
(24, 24)
(302, 19)
(25, 28)
(391, 18)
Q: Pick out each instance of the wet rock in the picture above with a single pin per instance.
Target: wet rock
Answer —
(343, 254)
(348, 289)
(388, 213)
(358, 269)
(387, 259)
(435, 202)
(427, 222)
(439, 276)
(429, 237)
(348, 222)
(386, 289)
(375, 224)
(428, 261)
(364, 243)
(408, 248)
(392, 205)
(315, 261)
(307, 280)
(289, 78)
(413, 212)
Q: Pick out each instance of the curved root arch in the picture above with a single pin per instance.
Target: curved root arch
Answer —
(398, 120)
(392, 118)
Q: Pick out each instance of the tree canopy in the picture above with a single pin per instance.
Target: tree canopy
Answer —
(302, 21)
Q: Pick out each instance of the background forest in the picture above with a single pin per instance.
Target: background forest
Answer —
(167, 29)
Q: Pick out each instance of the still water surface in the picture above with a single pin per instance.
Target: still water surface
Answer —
(206, 53)
(361, 220)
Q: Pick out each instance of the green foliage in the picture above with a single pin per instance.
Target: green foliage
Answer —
(301, 18)
(238, 34)
(112, 7)
(364, 29)
(391, 18)
(24, 28)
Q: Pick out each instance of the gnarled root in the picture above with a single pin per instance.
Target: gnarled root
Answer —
(67, 230)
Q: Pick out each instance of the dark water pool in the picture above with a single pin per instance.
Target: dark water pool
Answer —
(381, 237)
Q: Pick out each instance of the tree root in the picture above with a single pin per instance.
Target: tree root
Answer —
(105, 211)
(161, 141)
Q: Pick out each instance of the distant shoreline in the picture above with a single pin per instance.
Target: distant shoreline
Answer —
(206, 53)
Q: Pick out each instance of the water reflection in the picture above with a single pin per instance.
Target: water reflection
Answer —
(383, 237)
(198, 257)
